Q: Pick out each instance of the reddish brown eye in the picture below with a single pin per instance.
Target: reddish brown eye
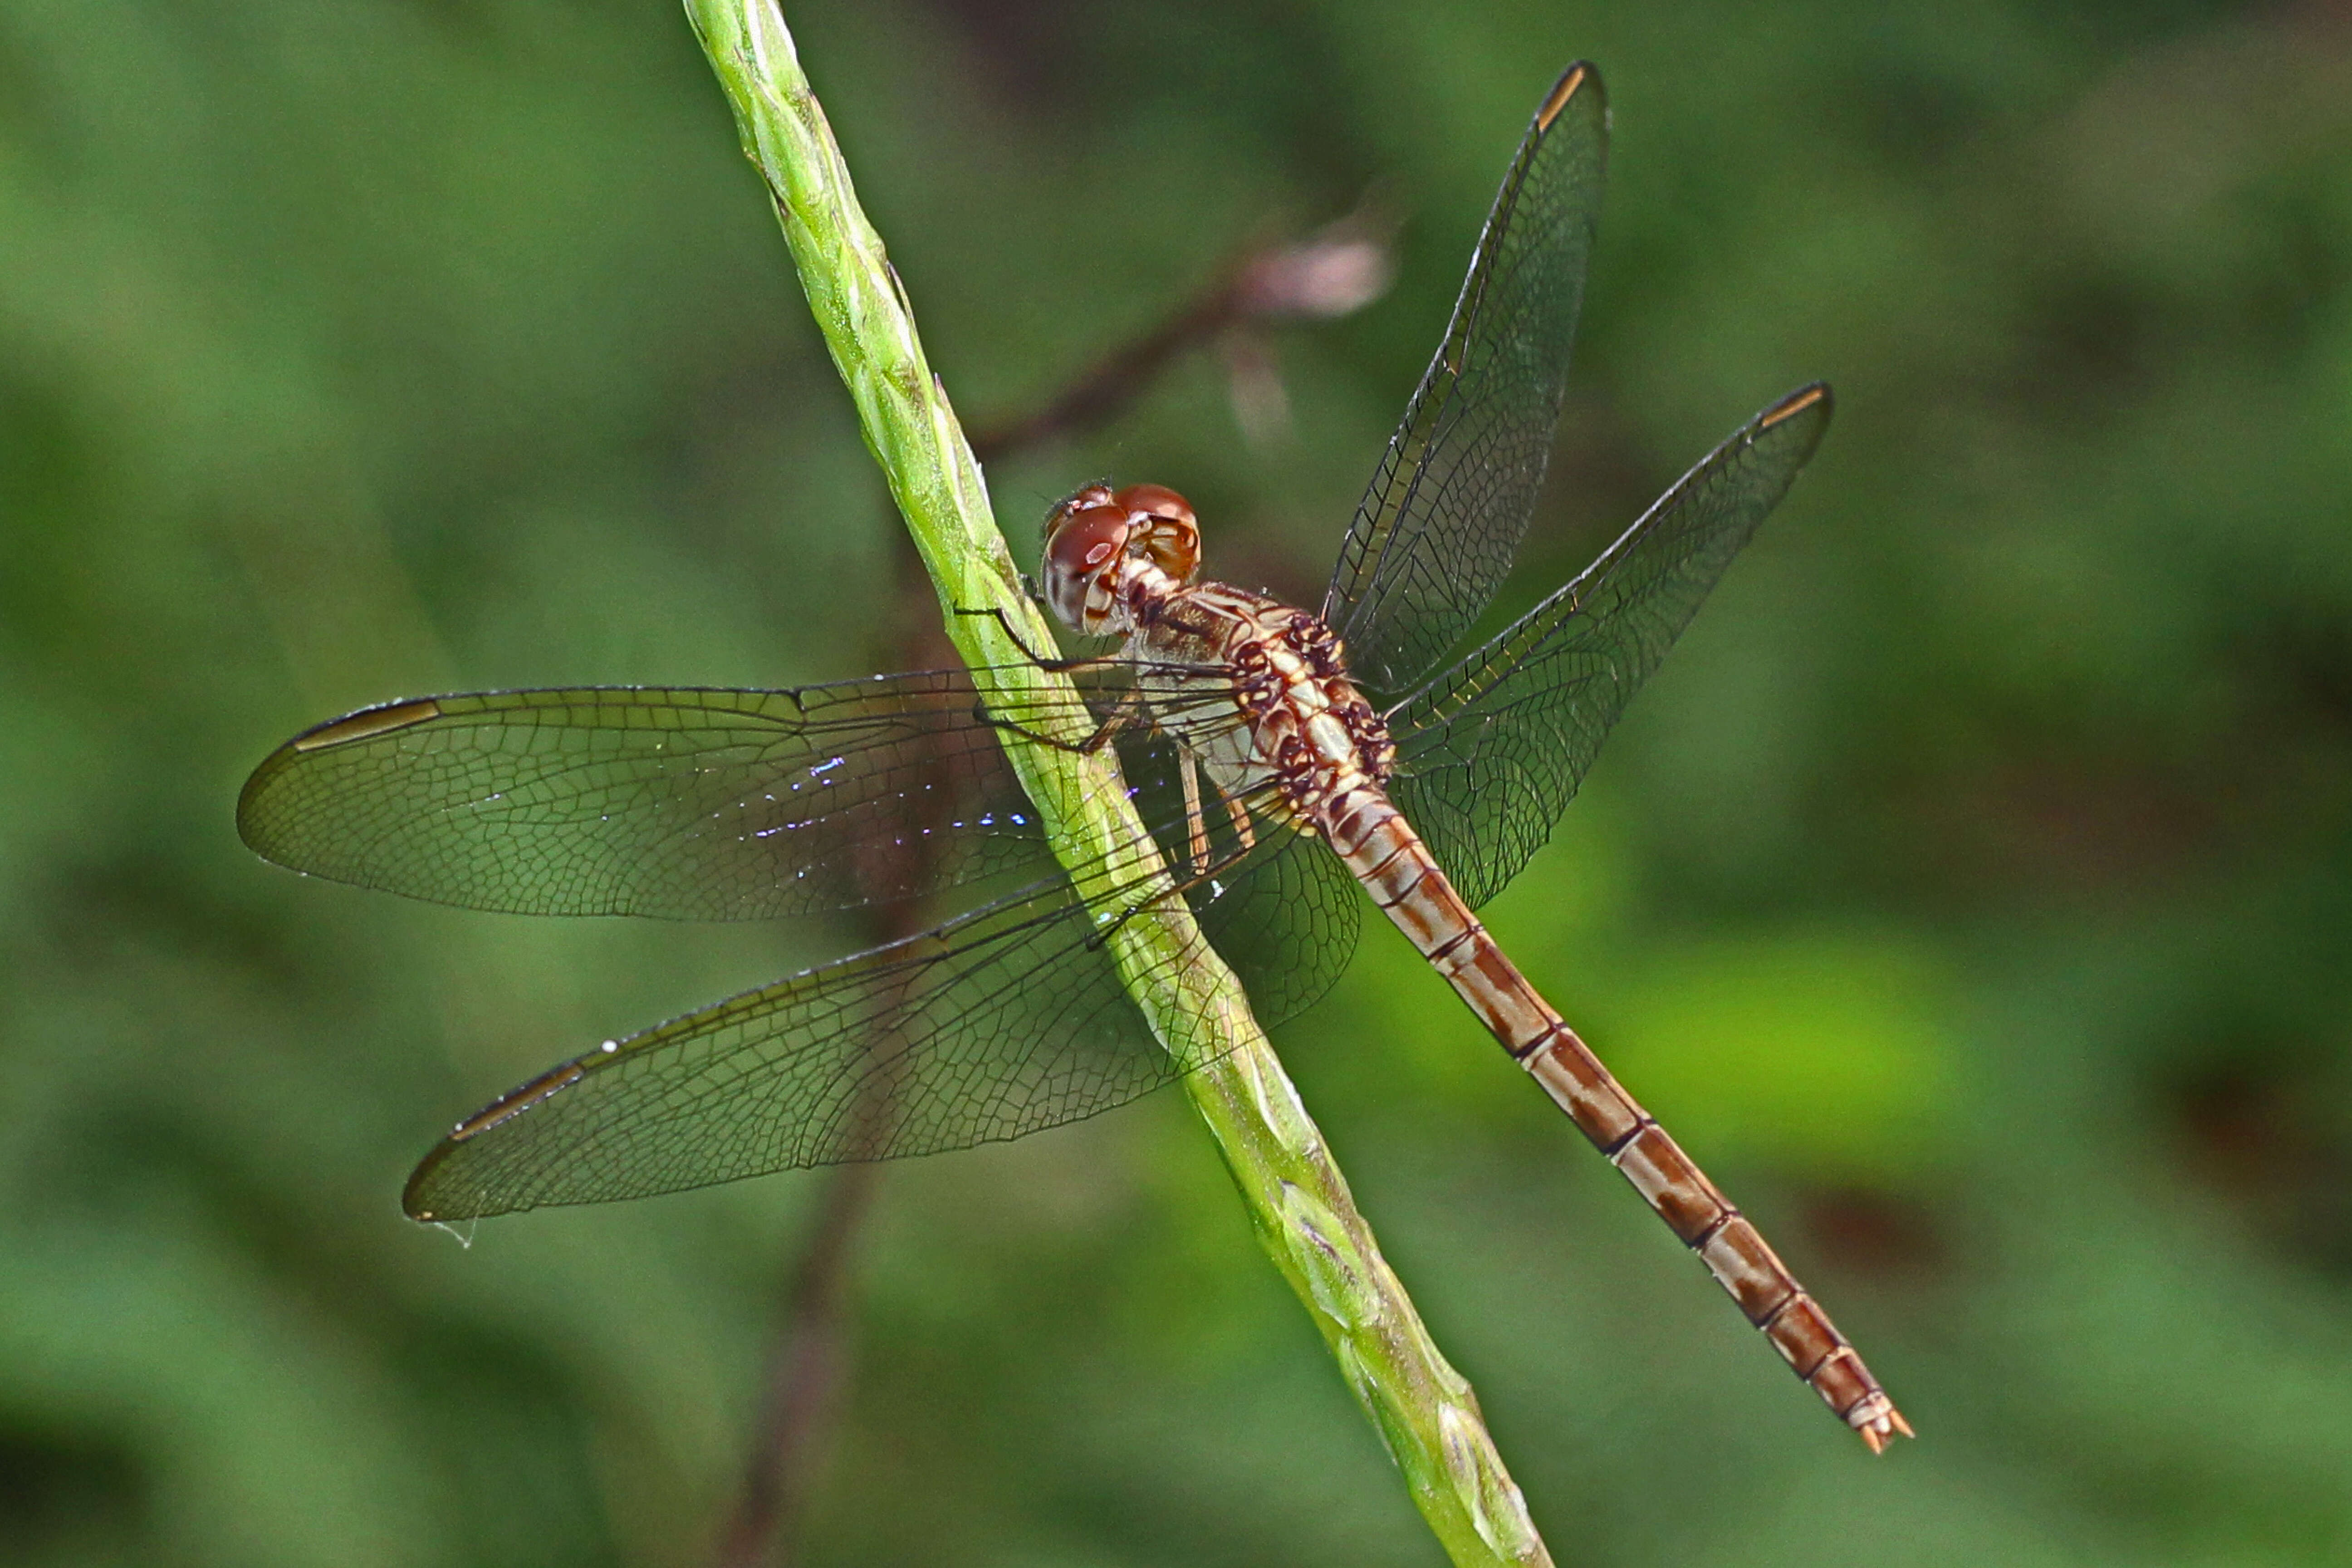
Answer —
(1157, 500)
(1168, 534)
(1076, 551)
(1090, 538)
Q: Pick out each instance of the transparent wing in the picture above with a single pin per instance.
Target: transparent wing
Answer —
(1492, 751)
(1288, 928)
(681, 802)
(1436, 531)
(1003, 1022)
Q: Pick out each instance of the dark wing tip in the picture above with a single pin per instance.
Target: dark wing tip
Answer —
(366, 724)
(1582, 77)
(1808, 407)
(382, 719)
(417, 1201)
(1796, 403)
(431, 1197)
(420, 1201)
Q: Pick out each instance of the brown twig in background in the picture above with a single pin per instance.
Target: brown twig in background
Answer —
(1338, 269)
(809, 1360)
(806, 1369)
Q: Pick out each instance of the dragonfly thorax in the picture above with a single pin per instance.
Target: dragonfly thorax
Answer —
(1310, 732)
(1111, 553)
(1123, 563)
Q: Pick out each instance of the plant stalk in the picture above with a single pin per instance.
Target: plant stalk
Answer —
(1297, 1200)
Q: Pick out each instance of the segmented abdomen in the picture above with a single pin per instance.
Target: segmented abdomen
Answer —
(1381, 848)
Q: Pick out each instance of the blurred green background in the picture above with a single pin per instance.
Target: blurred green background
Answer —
(1970, 891)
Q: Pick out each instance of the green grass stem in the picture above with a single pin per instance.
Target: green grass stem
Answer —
(1297, 1199)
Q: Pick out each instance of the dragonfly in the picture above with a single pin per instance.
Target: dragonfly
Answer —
(1288, 763)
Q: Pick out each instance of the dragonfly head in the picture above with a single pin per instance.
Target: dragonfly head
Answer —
(1099, 540)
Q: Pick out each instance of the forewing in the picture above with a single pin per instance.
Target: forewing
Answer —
(1491, 753)
(1436, 531)
(683, 803)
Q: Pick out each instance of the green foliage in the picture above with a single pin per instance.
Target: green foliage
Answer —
(361, 349)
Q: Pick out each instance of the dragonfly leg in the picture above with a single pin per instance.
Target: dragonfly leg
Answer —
(1058, 665)
(1117, 722)
(1242, 827)
(1193, 820)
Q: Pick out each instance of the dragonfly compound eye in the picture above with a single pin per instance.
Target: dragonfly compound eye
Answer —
(1169, 533)
(1157, 500)
(1082, 552)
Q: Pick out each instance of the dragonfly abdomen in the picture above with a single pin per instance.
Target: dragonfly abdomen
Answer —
(1388, 856)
